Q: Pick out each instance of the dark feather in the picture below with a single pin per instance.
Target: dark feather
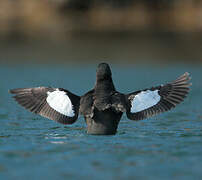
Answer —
(34, 100)
(171, 94)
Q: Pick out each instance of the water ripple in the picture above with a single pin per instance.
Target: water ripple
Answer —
(167, 146)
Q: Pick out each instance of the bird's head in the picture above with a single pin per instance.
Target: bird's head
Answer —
(103, 71)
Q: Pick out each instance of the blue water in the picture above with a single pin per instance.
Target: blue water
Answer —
(167, 146)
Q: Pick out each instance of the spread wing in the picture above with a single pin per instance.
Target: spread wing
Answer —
(54, 103)
(149, 102)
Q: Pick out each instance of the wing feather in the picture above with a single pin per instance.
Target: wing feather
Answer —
(171, 94)
(38, 100)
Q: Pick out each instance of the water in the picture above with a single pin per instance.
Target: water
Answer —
(167, 146)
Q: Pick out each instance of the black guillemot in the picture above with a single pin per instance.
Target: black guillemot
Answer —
(103, 106)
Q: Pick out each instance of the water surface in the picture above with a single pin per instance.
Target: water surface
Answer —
(167, 146)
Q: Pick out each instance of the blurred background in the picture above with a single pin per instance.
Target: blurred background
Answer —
(58, 43)
(118, 31)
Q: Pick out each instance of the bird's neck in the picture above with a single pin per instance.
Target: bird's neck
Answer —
(104, 86)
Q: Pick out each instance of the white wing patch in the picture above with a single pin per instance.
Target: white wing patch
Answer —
(59, 101)
(144, 100)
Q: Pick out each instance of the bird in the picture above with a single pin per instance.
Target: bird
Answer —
(102, 106)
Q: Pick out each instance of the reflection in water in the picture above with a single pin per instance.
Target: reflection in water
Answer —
(57, 142)
(56, 137)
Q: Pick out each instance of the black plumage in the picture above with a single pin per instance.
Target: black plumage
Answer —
(171, 94)
(103, 106)
(34, 100)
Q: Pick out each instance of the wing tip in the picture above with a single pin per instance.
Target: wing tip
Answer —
(12, 91)
(183, 80)
(189, 77)
(18, 90)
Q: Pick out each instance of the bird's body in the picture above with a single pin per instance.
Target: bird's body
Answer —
(103, 106)
(102, 114)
